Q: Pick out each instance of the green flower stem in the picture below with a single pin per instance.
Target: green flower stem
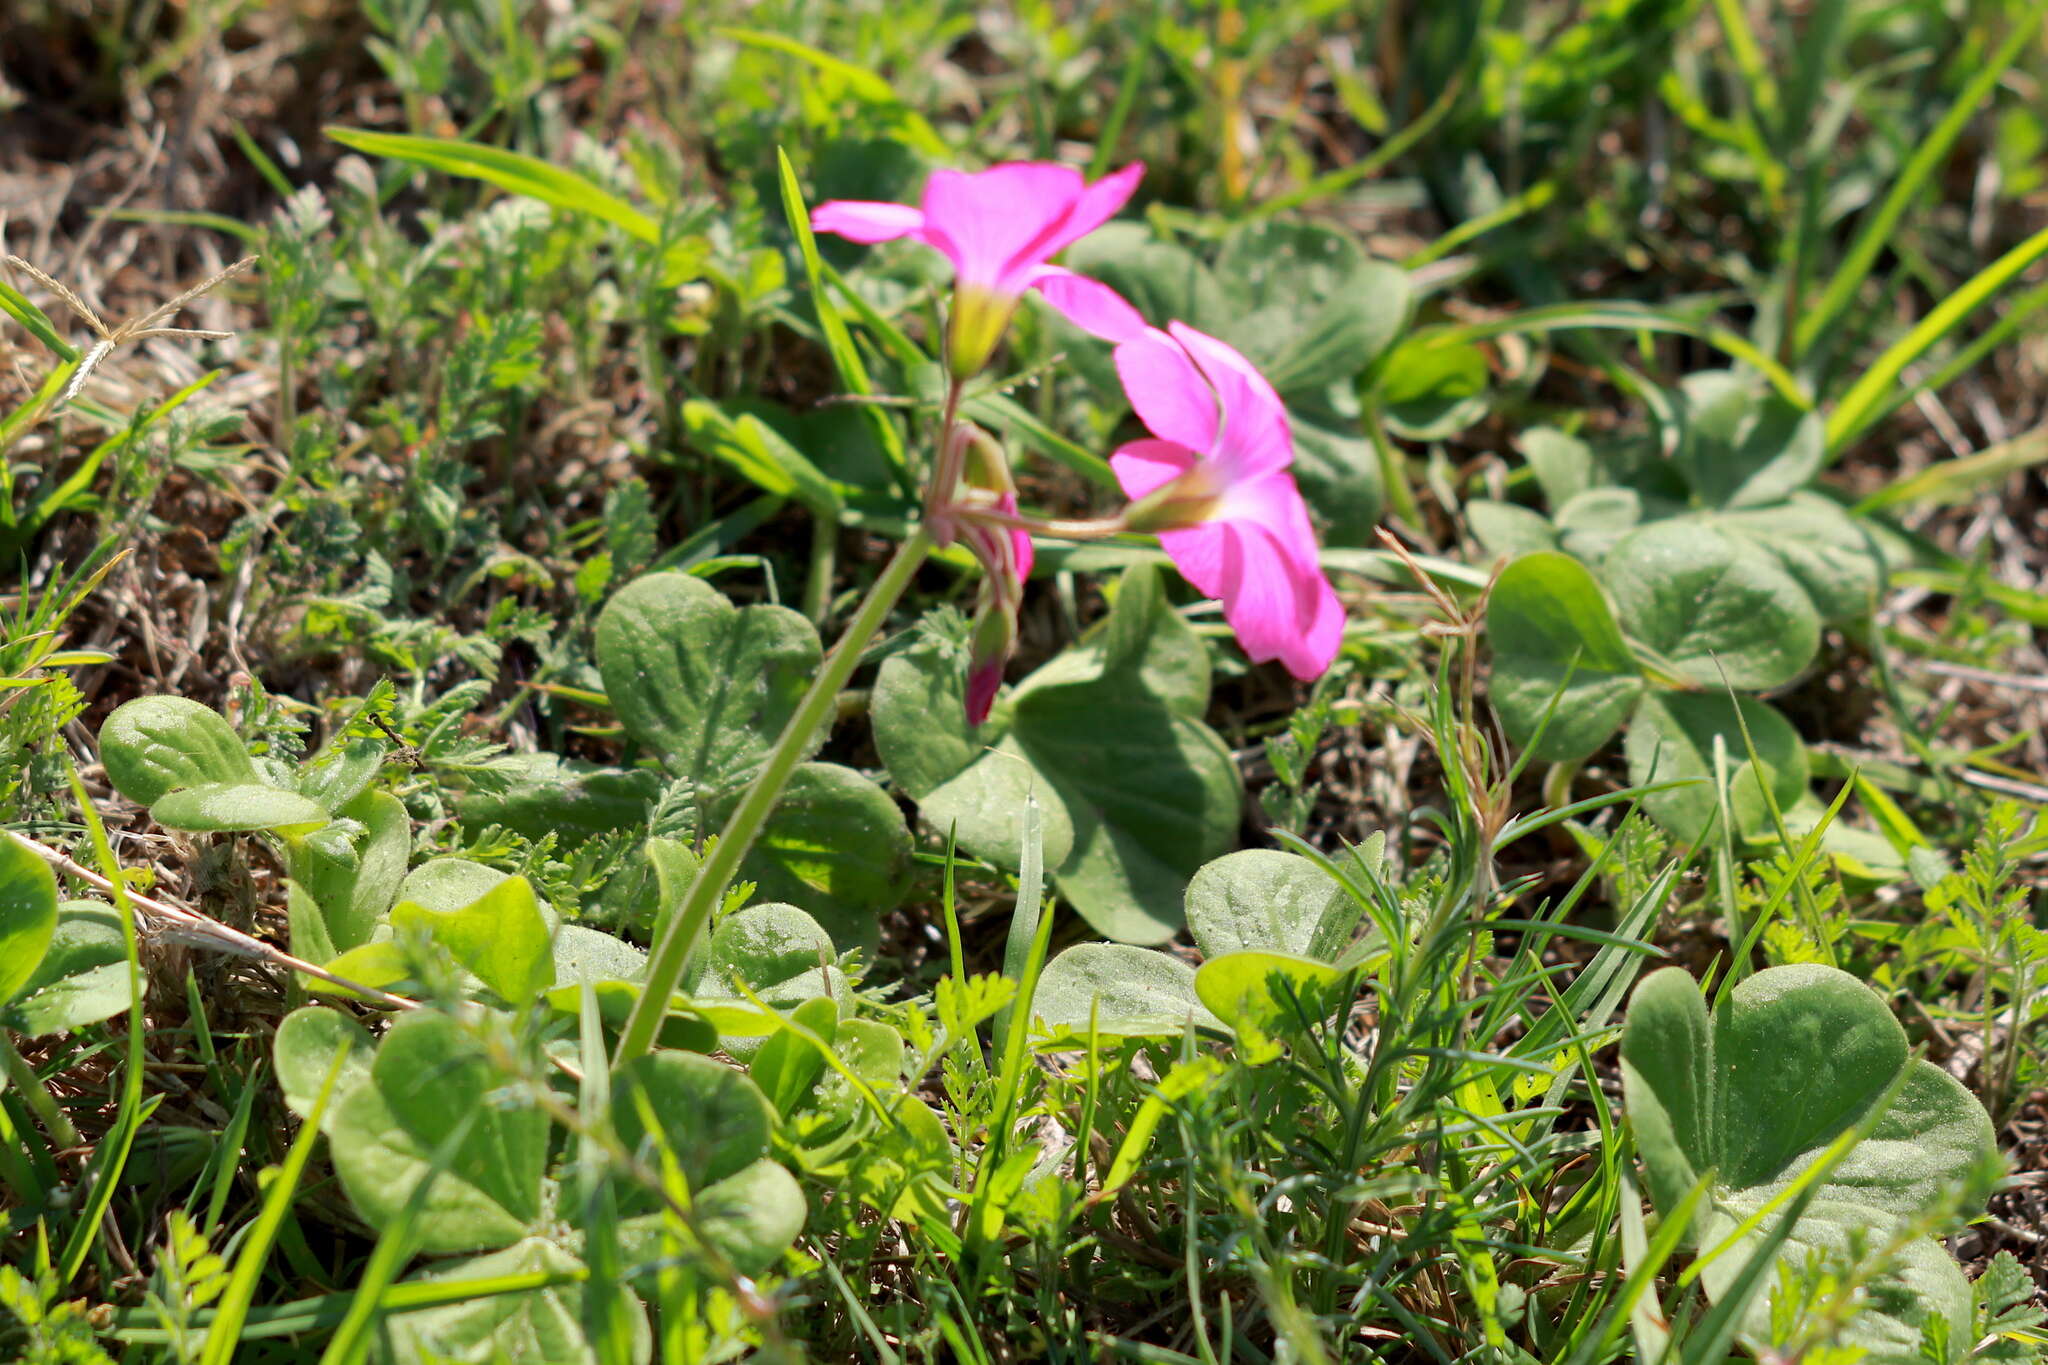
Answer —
(24, 1078)
(665, 968)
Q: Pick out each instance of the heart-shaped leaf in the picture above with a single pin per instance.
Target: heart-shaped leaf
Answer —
(1742, 444)
(154, 745)
(1305, 303)
(351, 870)
(1133, 993)
(750, 1217)
(1555, 641)
(1264, 899)
(28, 916)
(777, 951)
(1269, 995)
(82, 979)
(574, 801)
(714, 1120)
(530, 1324)
(1562, 463)
(428, 1076)
(1712, 608)
(1836, 558)
(1674, 736)
(1135, 791)
(304, 1048)
(1795, 1058)
(238, 808)
(706, 685)
(500, 937)
(835, 844)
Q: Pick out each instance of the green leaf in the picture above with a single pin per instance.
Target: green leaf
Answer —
(1160, 279)
(1305, 303)
(1506, 530)
(1269, 995)
(835, 844)
(1562, 463)
(28, 916)
(352, 869)
(82, 979)
(758, 453)
(1339, 473)
(1831, 554)
(1710, 606)
(500, 937)
(1554, 638)
(1429, 391)
(703, 683)
(582, 954)
(154, 745)
(429, 1075)
(714, 1119)
(574, 800)
(533, 1324)
(450, 884)
(1136, 792)
(1134, 993)
(750, 1218)
(238, 807)
(1674, 735)
(1743, 446)
(16, 305)
(512, 172)
(1796, 1058)
(777, 951)
(788, 1066)
(1260, 898)
(304, 1048)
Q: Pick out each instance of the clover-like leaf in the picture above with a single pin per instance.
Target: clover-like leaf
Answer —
(154, 745)
(1674, 736)
(304, 1048)
(238, 808)
(528, 1324)
(705, 684)
(835, 844)
(429, 1075)
(1305, 302)
(1554, 640)
(1839, 560)
(1744, 445)
(500, 937)
(1269, 995)
(572, 800)
(82, 978)
(1133, 993)
(1795, 1058)
(1264, 899)
(1135, 791)
(351, 870)
(777, 952)
(714, 1120)
(1718, 612)
(28, 915)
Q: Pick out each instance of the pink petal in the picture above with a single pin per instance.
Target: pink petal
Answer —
(1089, 304)
(1168, 392)
(988, 220)
(1273, 502)
(1259, 593)
(1020, 541)
(1096, 205)
(860, 220)
(1310, 656)
(1143, 466)
(1199, 553)
(1255, 437)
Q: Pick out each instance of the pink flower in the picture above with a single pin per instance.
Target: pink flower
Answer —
(1214, 484)
(1001, 228)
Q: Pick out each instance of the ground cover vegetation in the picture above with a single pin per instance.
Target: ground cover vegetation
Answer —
(1176, 682)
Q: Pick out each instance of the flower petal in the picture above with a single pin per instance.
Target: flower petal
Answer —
(1143, 466)
(1255, 438)
(988, 220)
(1168, 392)
(1089, 304)
(1200, 553)
(1311, 653)
(1096, 205)
(1259, 594)
(860, 220)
